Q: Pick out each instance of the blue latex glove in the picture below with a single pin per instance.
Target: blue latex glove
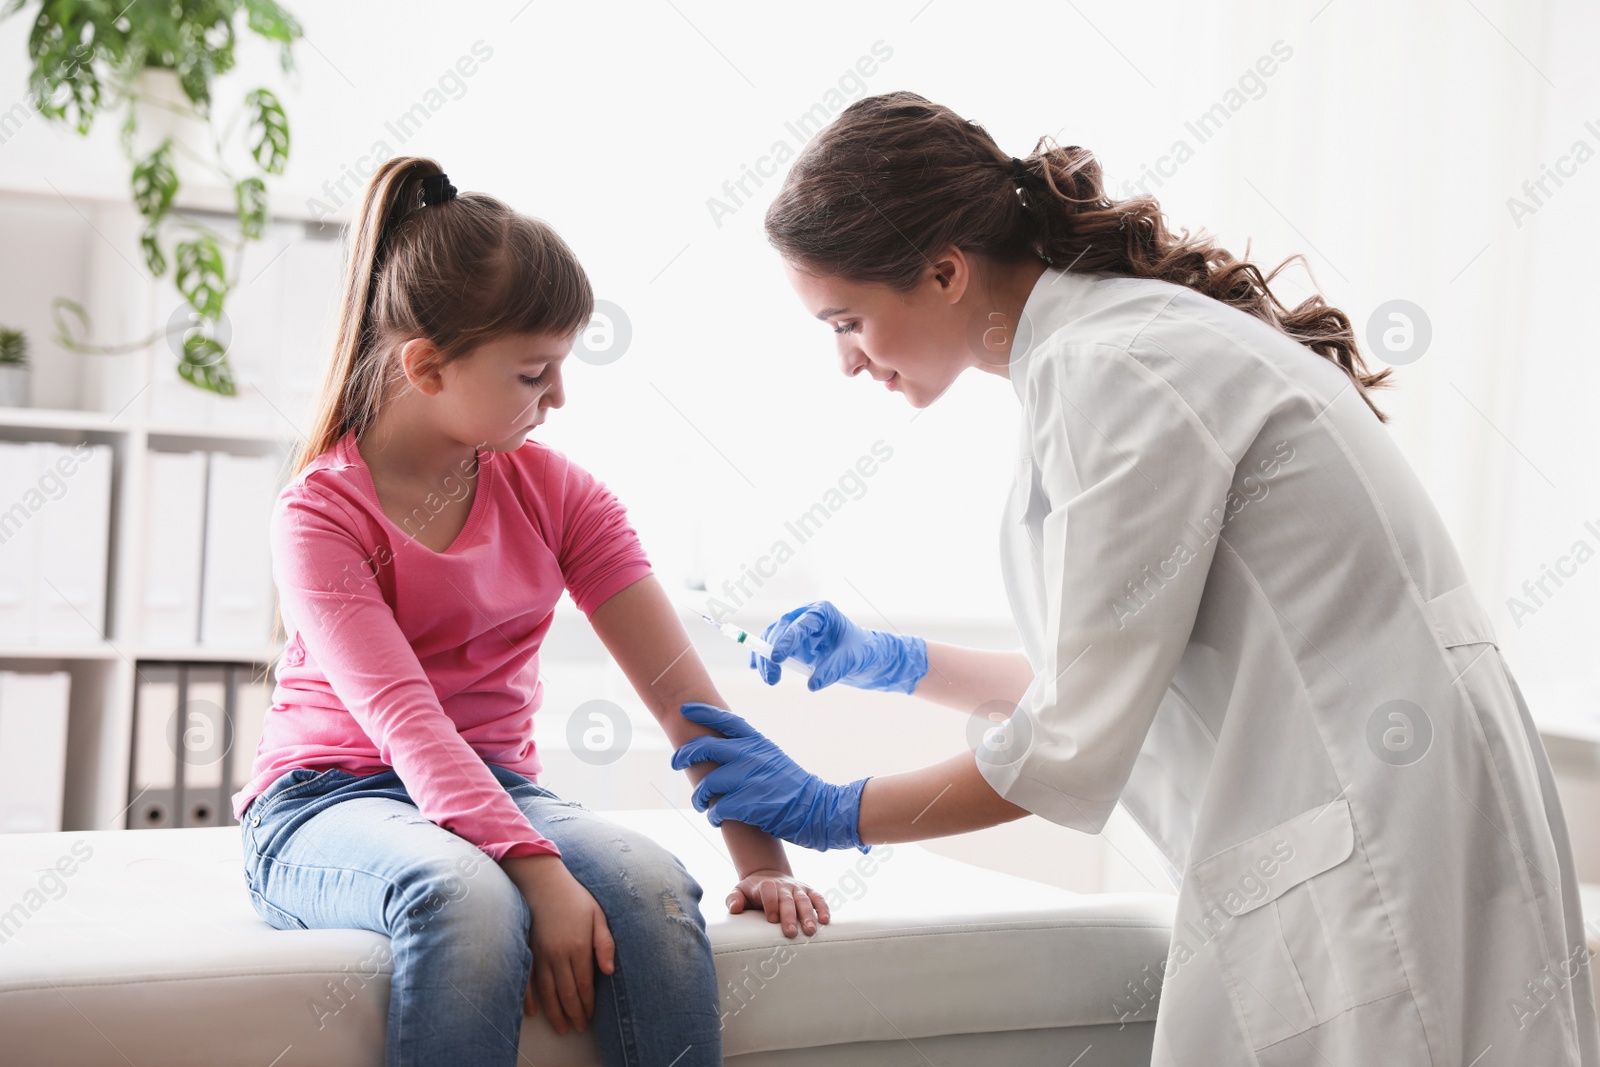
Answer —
(837, 650)
(759, 784)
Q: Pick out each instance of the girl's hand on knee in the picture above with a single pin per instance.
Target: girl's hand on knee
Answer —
(570, 937)
(783, 897)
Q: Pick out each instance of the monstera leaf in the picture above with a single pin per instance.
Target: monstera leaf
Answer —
(205, 364)
(202, 278)
(269, 131)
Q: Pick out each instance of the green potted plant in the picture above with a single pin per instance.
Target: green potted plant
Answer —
(160, 57)
(14, 371)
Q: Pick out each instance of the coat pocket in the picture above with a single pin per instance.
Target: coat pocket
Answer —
(1300, 928)
(1458, 619)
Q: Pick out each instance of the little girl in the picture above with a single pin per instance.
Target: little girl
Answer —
(419, 552)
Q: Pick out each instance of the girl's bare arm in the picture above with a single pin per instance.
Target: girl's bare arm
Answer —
(642, 631)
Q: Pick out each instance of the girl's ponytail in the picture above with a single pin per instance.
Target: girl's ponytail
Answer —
(349, 386)
(458, 273)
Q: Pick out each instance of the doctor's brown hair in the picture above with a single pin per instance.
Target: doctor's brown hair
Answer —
(459, 273)
(896, 176)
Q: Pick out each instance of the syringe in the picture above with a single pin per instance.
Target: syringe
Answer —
(741, 636)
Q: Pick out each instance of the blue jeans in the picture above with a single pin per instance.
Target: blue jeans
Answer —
(335, 849)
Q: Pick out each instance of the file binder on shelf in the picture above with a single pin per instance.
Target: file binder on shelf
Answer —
(33, 750)
(196, 730)
(175, 488)
(74, 542)
(55, 528)
(236, 591)
(203, 729)
(153, 778)
(19, 544)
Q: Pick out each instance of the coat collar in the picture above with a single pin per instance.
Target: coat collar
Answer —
(1058, 297)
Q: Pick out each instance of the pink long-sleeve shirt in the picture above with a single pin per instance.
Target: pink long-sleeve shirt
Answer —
(427, 662)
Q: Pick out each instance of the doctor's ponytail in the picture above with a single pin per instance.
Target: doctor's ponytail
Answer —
(897, 175)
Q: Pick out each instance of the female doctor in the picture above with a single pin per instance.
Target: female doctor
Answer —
(1242, 617)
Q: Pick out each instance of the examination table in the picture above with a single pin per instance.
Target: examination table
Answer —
(141, 947)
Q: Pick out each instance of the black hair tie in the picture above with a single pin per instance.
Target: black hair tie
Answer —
(1026, 184)
(436, 189)
(1019, 173)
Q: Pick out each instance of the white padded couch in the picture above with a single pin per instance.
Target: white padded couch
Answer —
(142, 948)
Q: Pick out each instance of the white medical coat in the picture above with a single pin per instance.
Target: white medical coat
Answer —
(1249, 626)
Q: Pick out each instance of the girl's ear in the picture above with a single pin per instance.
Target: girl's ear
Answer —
(419, 359)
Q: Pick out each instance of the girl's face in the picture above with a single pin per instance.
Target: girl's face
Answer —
(502, 390)
(914, 342)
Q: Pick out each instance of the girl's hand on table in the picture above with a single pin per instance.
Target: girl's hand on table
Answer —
(783, 897)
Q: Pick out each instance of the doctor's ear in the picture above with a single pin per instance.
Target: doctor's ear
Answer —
(951, 271)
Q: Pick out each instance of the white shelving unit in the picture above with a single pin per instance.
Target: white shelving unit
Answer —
(87, 249)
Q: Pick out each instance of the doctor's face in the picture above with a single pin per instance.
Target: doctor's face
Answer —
(912, 342)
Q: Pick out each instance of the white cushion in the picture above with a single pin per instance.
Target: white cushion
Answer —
(142, 946)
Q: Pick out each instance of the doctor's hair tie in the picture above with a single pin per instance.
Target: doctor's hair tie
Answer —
(436, 189)
(1027, 183)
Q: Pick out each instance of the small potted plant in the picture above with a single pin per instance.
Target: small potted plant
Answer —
(14, 370)
(161, 58)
